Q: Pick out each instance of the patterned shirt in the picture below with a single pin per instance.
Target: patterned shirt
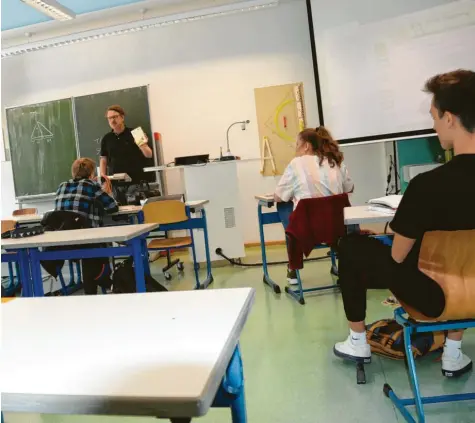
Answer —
(304, 177)
(87, 198)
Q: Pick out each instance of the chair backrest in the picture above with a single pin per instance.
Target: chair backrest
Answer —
(164, 212)
(8, 225)
(448, 257)
(315, 221)
(22, 212)
(176, 197)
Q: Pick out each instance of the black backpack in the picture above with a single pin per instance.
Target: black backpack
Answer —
(123, 280)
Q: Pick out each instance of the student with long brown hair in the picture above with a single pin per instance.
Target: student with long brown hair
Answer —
(316, 171)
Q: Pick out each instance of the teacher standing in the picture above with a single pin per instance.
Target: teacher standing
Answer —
(120, 153)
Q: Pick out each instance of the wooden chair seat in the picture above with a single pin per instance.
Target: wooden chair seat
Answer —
(8, 225)
(448, 257)
(179, 242)
(23, 212)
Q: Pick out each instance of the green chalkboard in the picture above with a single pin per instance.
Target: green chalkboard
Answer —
(43, 146)
(92, 124)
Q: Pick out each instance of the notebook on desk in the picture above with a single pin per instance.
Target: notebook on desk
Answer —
(388, 204)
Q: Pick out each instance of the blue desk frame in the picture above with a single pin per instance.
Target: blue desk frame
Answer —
(191, 224)
(21, 259)
(270, 218)
(66, 288)
(231, 391)
(30, 267)
(136, 247)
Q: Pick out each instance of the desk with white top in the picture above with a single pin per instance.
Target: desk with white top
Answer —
(123, 211)
(156, 359)
(132, 235)
(353, 216)
(267, 201)
(361, 215)
(29, 219)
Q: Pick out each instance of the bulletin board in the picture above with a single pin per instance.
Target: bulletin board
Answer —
(280, 116)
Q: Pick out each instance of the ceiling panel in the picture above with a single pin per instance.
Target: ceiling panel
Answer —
(16, 14)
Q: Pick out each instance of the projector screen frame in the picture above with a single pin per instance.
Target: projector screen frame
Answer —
(370, 139)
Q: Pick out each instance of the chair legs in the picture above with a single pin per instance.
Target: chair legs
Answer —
(298, 294)
(418, 401)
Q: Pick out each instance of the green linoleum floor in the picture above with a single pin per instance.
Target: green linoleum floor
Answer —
(291, 374)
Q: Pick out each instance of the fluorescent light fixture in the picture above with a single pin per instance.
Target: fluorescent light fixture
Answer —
(51, 8)
(195, 15)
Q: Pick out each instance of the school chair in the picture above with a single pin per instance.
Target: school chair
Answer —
(449, 259)
(316, 223)
(174, 214)
(13, 281)
(170, 263)
(22, 212)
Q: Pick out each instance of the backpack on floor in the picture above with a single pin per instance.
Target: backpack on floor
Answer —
(123, 280)
(386, 338)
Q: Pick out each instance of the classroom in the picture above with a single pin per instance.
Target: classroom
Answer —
(237, 211)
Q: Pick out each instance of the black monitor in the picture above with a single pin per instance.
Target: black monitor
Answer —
(192, 160)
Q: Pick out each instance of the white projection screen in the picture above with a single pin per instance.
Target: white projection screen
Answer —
(374, 57)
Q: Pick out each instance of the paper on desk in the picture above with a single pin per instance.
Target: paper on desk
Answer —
(382, 209)
(390, 201)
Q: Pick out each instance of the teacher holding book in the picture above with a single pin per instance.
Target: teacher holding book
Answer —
(124, 150)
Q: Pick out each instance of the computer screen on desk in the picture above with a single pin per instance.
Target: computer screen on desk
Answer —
(192, 160)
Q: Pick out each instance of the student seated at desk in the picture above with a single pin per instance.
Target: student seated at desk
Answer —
(442, 199)
(84, 196)
(316, 171)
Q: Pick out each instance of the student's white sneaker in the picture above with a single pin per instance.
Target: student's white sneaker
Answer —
(292, 277)
(349, 351)
(455, 367)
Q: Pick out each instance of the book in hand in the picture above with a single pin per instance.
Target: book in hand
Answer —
(139, 136)
(120, 177)
(388, 204)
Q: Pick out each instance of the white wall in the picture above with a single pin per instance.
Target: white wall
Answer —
(201, 77)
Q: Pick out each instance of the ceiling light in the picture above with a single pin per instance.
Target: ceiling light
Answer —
(51, 8)
(245, 6)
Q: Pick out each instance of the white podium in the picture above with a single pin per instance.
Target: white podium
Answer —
(218, 183)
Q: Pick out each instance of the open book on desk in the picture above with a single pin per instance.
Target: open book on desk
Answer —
(388, 204)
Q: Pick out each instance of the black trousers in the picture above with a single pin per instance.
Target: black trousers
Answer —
(365, 263)
(95, 272)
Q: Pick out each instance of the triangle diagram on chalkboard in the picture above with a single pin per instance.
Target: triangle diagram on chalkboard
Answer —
(41, 133)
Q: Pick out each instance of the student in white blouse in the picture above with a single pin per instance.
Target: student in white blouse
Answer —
(316, 171)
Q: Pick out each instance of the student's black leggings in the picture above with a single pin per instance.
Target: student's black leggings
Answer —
(366, 263)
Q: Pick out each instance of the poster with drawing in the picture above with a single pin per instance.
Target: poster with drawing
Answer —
(280, 116)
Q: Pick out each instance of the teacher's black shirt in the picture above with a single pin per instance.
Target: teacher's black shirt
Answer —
(442, 199)
(123, 155)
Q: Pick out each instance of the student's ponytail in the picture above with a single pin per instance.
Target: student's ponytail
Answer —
(323, 145)
(329, 147)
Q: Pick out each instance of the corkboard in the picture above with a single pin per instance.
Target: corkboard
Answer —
(280, 116)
